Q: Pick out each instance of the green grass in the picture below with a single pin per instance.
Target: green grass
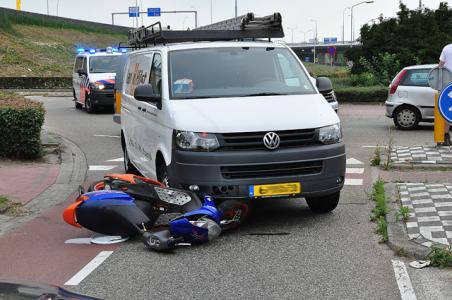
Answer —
(441, 257)
(318, 70)
(380, 211)
(376, 159)
(404, 213)
(4, 202)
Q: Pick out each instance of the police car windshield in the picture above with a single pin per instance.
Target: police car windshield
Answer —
(236, 72)
(105, 64)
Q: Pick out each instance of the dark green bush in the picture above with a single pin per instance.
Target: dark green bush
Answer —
(20, 127)
(362, 94)
(35, 82)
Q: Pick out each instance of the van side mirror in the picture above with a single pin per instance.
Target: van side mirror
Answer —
(146, 93)
(324, 84)
(81, 72)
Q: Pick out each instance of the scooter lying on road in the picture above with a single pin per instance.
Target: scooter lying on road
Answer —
(117, 213)
(145, 190)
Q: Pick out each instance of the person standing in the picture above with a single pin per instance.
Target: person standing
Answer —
(445, 61)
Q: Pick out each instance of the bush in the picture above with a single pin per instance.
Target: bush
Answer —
(363, 79)
(20, 127)
(362, 94)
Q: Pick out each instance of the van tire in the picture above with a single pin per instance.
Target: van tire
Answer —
(89, 105)
(324, 204)
(162, 174)
(129, 168)
(406, 117)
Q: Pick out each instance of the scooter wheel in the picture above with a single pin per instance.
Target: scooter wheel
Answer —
(96, 186)
(234, 213)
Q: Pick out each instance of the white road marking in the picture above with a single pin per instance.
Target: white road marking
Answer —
(121, 159)
(353, 181)
(353, 161)
(354, 170)
(101, 168)
(90, 267)
(80, 241)
(374, 146)
(110, 136)
(403, 280)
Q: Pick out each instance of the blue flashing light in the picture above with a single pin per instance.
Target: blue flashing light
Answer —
(114, 49)
(124, 50)
(92, 51)
(80, 50)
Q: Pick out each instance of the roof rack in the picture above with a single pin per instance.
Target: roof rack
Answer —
(241, 28)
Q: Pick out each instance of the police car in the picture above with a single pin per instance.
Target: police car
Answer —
(94, 77)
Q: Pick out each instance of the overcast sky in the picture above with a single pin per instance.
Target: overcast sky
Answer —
(297, 14)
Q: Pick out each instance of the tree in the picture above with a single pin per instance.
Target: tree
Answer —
(413, 37)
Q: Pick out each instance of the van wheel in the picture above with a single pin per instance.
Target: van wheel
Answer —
(162, 174)
(89, 106)
(128, 166)
(406, 117)
(324, 204)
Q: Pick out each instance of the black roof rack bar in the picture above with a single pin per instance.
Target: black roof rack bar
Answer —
(245, 27)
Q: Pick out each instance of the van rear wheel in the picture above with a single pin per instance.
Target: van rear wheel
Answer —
(323, 204)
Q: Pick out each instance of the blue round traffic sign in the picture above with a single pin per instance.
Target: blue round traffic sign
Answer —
(445, 103)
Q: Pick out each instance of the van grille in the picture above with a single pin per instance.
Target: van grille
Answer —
(272, 170)
(255, 140)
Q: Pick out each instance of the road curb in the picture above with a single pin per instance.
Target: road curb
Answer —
(423, 167)
(72, 174)
(398, 239)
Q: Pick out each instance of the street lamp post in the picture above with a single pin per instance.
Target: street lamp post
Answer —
(352, 35)
(343, 24)
(315, 38)
(211, 12)
(236, 8)
(292, 30)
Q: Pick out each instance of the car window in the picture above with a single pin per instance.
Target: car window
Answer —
(84, 67)
(416, 78)
(236, 72)
(155, 78)
(78, 64)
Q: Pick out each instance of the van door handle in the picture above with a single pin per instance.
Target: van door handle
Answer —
(139, 107)
(143, 109)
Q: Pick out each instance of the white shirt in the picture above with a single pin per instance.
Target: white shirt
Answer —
(446, 56)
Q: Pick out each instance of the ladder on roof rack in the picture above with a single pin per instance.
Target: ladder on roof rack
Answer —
(244, 27)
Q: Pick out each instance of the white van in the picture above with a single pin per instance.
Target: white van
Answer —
(237, 119)
(93, 77)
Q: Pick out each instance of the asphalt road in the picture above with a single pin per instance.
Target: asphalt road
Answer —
(284, 251)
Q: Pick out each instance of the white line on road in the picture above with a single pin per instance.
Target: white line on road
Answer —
(374, 146)
(403, 280)
(90, 267)
(121, 159)
(353, 161)
(110, 136)
(354, 170)
(79, 241)
(353, 181)
(101, 168)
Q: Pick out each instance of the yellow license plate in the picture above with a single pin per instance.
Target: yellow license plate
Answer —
(269, 190)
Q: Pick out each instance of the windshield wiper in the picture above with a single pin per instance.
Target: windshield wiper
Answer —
(264, 94)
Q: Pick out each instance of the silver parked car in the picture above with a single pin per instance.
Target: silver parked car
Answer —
(410, 98)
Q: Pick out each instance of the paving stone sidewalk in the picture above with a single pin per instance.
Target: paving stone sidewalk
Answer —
(422, 155)
(430, 219)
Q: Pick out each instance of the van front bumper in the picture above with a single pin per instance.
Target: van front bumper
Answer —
(209, 170)
(103, 98)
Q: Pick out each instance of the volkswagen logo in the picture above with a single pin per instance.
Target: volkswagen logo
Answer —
(271, 140)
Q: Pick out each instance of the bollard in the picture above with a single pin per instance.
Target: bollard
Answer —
(439, 123)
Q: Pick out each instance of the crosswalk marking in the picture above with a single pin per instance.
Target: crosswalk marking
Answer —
(354, 161)
(354, 170)
(353, 181)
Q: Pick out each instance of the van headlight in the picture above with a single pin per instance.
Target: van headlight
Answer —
(330, 134)
(197, 141)
(97, 85)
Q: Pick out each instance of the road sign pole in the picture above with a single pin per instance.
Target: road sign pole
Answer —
(440, 123)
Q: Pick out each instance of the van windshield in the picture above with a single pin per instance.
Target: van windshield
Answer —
(236, 72)
(105, 64)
